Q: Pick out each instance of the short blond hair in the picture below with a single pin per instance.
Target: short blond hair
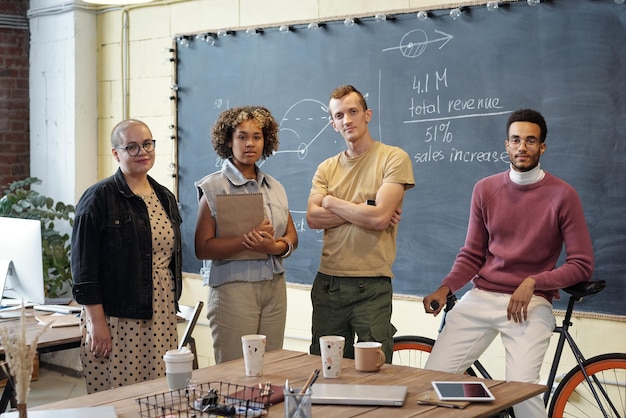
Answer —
(119, 131)
(343, 91)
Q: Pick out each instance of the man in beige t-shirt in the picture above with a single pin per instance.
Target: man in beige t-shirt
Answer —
(356, 198)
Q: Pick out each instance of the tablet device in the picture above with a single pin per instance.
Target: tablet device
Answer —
(463, 391)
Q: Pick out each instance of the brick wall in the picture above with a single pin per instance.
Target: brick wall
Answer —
(14, 94)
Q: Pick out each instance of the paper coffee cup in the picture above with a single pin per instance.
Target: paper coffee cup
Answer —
(331, 350)
(253, 347)
(178, 368)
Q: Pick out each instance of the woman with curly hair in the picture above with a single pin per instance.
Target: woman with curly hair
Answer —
(247, 296)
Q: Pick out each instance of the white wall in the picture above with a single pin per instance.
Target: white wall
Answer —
(69, 73)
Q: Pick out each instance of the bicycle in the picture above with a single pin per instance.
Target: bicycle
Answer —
(595, 387)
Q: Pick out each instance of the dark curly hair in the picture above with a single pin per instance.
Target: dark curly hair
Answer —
(528, 115)
(228, 120)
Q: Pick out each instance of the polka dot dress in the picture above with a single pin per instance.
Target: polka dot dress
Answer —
(139, 345)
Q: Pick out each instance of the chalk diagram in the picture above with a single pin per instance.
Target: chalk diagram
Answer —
(302, 123)
(304, 134)
(292, 121)
(414, 43)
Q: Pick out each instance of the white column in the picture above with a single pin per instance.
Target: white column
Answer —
(63, 110)
(63, 97)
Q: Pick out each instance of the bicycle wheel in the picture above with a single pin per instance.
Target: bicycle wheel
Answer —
(411, 350)
(574, 397)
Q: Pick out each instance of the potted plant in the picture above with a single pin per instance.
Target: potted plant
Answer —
(20, 201)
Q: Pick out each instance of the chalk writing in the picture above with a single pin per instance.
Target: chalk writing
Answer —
(429, 156)
(457, 155)
(425, 107)
(299, 221)
(422, 85)
(474, 104)
(439, 132)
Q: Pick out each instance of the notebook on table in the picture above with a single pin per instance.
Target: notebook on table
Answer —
(63, 309)
(350, 394)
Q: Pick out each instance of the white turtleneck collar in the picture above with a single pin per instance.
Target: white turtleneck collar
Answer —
(528, 177)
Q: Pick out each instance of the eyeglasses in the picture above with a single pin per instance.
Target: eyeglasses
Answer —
(516, 142)
(134, 149)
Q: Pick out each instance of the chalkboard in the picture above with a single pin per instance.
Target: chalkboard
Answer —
(442, 90)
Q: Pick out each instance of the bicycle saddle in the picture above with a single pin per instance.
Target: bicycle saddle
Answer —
(583, 289)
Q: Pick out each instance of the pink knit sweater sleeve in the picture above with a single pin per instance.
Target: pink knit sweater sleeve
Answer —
(516, 231)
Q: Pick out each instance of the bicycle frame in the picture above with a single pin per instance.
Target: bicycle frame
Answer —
(564, 336)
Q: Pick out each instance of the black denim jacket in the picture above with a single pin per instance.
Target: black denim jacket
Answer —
(111, 253)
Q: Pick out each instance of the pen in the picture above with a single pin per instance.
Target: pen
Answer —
(265, 388)
(317, 373)
(309, 381)
(445, 405)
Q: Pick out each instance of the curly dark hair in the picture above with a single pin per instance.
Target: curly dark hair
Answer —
(528, 115)
(228, 120)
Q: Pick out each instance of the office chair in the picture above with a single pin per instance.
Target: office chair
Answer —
(191, 314)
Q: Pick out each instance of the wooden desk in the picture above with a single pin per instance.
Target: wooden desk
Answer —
(297, 366)
(53, 339)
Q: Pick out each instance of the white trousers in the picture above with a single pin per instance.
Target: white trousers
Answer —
(477, 318)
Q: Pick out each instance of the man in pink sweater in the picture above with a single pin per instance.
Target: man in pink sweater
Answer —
(518, 223)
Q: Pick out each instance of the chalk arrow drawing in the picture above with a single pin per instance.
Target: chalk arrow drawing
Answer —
(414, 43)
(307, 115)
(318, 117)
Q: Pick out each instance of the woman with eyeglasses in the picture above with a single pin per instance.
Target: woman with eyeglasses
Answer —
(126, 266)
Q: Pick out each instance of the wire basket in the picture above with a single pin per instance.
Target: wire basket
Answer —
(208, 400)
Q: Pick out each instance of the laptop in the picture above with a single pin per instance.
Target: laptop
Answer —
(351, 394)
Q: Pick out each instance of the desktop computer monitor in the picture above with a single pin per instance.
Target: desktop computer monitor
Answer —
(21, 260)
